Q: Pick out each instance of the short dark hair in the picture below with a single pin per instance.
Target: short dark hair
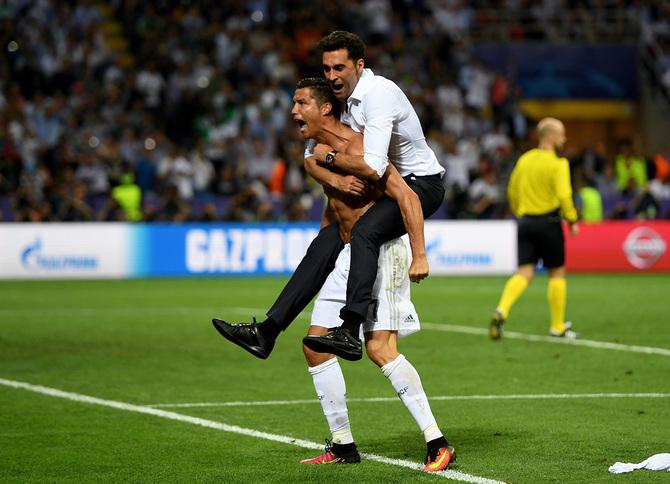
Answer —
(341, 39)
(321, 92)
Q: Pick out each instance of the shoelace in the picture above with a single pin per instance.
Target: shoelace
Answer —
(329, 446)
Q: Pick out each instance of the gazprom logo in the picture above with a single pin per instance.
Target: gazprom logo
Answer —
(462, 258)
(33, 258)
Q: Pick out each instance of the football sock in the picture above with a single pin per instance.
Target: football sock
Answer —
(557, 295)
(407, 384)
(270, 328)
(331, 392)
(514, 288)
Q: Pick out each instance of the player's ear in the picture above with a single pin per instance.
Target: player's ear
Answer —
(360, 65)
(326, 108)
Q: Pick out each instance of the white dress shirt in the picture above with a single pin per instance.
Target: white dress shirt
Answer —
(391, 129)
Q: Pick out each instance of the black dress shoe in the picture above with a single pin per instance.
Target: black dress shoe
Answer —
(339, 341)
(247, 335)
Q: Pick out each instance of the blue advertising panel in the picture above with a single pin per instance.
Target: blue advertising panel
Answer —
(219, 249)
(546, 71)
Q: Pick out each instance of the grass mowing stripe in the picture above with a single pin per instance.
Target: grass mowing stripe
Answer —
(602, 345)
(539, 396)
(129, 407)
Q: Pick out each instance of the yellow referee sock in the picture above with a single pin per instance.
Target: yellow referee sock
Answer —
(514, 288)
(557, 296)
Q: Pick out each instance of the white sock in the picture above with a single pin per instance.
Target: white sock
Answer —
(407, 384)
(332, 393)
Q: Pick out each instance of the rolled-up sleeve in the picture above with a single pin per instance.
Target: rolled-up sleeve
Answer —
(310, 144)
(379, 110)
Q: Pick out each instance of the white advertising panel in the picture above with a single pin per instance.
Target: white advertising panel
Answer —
(471, 247)
(60, 251)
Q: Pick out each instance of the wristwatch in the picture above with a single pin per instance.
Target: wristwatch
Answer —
(330, 159)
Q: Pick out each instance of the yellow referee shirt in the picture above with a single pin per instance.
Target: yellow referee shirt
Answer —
(539, 184)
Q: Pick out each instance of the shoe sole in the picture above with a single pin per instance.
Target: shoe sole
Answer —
(222, 328)
(339, 460)
(315, 344)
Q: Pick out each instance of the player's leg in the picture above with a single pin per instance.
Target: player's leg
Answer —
(381, 347)
(517, 284)
(381, 223)
(326, 372)
(308, 278)
(394, 316)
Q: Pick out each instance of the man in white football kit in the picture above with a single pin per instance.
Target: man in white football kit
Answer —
(391, 315)
(393, 141)
(393, 137)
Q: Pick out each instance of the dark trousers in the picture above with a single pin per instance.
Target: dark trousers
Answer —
(381, 223)
(309, 276)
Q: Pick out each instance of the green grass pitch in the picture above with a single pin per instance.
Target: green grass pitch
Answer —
(148, 342)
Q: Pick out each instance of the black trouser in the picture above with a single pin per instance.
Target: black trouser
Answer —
(309, 276)
(381, 223)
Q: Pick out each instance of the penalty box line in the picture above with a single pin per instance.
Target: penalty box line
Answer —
(129, 407)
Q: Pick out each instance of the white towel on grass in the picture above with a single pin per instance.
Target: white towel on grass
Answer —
(657, 462)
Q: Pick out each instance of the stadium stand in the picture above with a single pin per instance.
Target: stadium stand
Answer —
(192, 99)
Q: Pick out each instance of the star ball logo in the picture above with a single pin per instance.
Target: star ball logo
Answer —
(643, 247)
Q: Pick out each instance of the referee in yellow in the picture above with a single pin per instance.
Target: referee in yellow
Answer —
(540, 196)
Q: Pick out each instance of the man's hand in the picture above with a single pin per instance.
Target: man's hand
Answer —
(320, 152)
(574, 229)
(419, 269)
(350, 185)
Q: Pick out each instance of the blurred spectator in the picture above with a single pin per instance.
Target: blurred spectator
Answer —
(631, 170)
(74, 207)
(484, 194)
(129, 197)
(74, 105)
(589, 203)
(203, 170)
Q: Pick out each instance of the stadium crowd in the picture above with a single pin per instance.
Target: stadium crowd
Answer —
(183, 114)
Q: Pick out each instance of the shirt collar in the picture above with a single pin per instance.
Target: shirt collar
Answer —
(364, 84)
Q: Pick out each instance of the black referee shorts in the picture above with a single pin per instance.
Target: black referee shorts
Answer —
(541, 237)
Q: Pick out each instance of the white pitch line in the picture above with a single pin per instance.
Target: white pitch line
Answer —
(602, 345)
(538, 396)
(129, 407)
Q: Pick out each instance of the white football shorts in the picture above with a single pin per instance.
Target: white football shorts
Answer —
(391, 307)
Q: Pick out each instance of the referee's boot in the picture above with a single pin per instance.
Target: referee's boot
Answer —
(496, 326)
(339, 342)
(257, 338)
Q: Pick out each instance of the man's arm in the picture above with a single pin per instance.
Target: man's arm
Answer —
(354, 164)
(380, 108)
(564, 195)
(348, 184)
(412, 215)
